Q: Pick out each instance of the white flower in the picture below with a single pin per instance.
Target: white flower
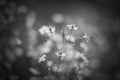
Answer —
(72, 27)
(60, 53)
(86, 37)
(70, 38)
(44, 30)
(49, 30)
(42, 58)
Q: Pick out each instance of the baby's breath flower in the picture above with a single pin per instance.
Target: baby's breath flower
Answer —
(86, 37)
(64, 44)
(72, 27)
(42, 58)
(70, 38)
(60, 53)
(49, 30)
(44, 30)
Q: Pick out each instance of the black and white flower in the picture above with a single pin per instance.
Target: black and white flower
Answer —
(72, 27)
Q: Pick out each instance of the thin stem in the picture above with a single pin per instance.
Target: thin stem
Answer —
(63, 36)
(59, 60)
(71, 33)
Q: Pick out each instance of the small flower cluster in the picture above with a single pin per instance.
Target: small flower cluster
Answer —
(61, 42)
(47, 30)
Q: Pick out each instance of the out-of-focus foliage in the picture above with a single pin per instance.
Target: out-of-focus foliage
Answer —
(10, 40)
